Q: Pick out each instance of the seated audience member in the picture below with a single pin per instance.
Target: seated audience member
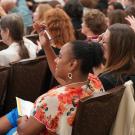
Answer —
(12, 30)
(119, 52)
(127, 3)
(130, 10)
(60, 28)
(41, 9)
(75, 10)
(51, 55)
(113, 6)
(102, 6)
(116, 16)
(38, 15)
(54, 111)
(93, 24)
(20, 7)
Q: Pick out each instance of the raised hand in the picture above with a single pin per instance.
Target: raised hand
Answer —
(131, 20)
(2, 11)
(44, 37)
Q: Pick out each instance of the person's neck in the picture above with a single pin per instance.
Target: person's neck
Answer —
(77, 79)
(98, 70)
(90, 34)
(9, 42)
(76, 84)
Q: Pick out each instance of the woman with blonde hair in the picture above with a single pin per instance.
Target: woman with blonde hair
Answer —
(38, 15)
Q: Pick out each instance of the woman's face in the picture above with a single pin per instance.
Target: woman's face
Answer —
(110, 9)
(105, 42)
(36, 15)
(63, 62)
(84, 29)
(4, 35)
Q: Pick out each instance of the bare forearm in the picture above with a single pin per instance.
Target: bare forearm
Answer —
(4, 125)
(51, 56)
(30, 127)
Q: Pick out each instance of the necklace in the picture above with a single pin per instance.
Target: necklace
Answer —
(76, 84)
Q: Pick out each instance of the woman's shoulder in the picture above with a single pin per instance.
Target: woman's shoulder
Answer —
(28, 41)
(108, 80)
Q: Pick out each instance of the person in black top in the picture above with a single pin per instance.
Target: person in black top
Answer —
(119, 51)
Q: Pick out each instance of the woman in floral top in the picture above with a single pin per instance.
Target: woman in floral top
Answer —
(59, 114)
(54, 111)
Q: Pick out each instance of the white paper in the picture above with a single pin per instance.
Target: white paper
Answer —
(24, 107)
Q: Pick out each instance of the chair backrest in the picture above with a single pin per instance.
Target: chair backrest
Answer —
(95, 115)
(33, 37)
(29, 29)
(26, 78)
(4, 74)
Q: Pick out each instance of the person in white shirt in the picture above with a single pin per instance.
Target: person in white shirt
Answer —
(12, 31)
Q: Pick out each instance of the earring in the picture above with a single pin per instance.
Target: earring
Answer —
(70, 76)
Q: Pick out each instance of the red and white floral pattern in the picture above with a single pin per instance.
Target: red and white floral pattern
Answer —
(56, 109)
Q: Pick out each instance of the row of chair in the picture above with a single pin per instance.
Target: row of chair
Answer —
(24, 79)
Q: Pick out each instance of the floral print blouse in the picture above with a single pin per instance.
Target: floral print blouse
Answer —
(56, 109)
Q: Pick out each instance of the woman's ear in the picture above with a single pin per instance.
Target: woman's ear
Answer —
(7, 32)
(73, 65)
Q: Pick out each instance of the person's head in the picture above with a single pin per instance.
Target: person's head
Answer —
(12, 27)
(116, 16)
(119, 48)
(94, 22)
(59, 26)
(89, 3)
(12, 30)
(8, 4)
(127, 3)
(55, 3)
(77, 59)
(75, 10)
(113, 6)
(130, 10)
(74, 6)
(40, 11)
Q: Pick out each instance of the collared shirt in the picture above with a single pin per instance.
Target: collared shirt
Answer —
(93, 38)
